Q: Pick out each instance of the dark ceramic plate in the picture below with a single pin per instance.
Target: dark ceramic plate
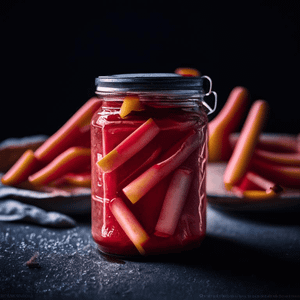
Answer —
(219, 197)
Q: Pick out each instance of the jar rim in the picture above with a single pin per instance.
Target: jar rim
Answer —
(148, 82)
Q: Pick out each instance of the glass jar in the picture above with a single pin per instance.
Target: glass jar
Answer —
(149, 155)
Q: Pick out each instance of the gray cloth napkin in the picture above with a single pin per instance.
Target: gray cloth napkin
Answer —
(12, 210)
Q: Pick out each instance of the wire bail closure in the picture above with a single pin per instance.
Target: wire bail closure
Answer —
(210, 110)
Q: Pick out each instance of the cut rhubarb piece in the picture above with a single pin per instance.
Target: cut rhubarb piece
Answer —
(130, 103)
(129, 224)
(292, 159)
(243, 151)
(286, 176)
(173, 203)
(66, 162)
(146, 181)
(11, 150)
(255, 187)
(173, 148)
(20, 171)
(260, 182)
(129, 147)
(78, 179)
(271, 142)
(226, 122)
(187, 72)
(154, 155)
(256, 195)
(66, 136)
(171, 124)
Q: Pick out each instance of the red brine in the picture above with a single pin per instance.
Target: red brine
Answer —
(148, 176)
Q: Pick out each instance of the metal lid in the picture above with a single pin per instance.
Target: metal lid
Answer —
(148, 82)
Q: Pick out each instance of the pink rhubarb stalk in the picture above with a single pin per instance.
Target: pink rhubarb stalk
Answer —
(259, 181)
(287, 176)
(129, 224)
(66, 162)
(129, 147)
(174, 202)
(187, 72)
(79, 179)
(226, 122)
(273, 143)
(256, 187)
(141, 168)
(65, 137)
(243, 151)
(292, 159)
(22, 168)
(146, 181)
(130, 103)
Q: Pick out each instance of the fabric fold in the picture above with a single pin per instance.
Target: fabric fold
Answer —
(12, 210)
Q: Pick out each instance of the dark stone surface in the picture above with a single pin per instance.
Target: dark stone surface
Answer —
(243, 256)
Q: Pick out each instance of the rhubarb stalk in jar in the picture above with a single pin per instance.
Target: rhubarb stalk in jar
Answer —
(149, 155)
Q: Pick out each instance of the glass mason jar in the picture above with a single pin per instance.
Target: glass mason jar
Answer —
(149, 155)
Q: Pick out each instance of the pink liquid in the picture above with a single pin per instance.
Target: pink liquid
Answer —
(106, 134)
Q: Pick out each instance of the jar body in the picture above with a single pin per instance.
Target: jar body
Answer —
(187, 215)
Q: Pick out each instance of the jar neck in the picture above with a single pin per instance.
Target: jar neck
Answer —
(158, 99)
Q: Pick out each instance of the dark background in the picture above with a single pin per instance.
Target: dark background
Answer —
(51, 53)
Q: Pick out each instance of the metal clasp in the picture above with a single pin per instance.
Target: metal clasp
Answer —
(210, 110)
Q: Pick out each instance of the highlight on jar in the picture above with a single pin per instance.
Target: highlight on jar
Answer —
(148, 158)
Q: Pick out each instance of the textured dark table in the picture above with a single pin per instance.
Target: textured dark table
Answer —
(242, 257)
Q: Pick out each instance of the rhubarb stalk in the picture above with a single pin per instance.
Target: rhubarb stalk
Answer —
(287, 176)
(68, 133)
(64, 163)
(129, 147)
(129, 224)
(173, 203)
(187, 72)
(255, 187)
(243, 151)
(141, 168)
(227, 121)
(292, 159)
(130, 103)
(78, 179)
(146, 181)
(273, 143)
(22, 168)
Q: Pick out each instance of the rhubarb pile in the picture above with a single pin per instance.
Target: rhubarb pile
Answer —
(257, 168)
(63, 159)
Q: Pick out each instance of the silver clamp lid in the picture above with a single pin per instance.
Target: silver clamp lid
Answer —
(146, 82)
